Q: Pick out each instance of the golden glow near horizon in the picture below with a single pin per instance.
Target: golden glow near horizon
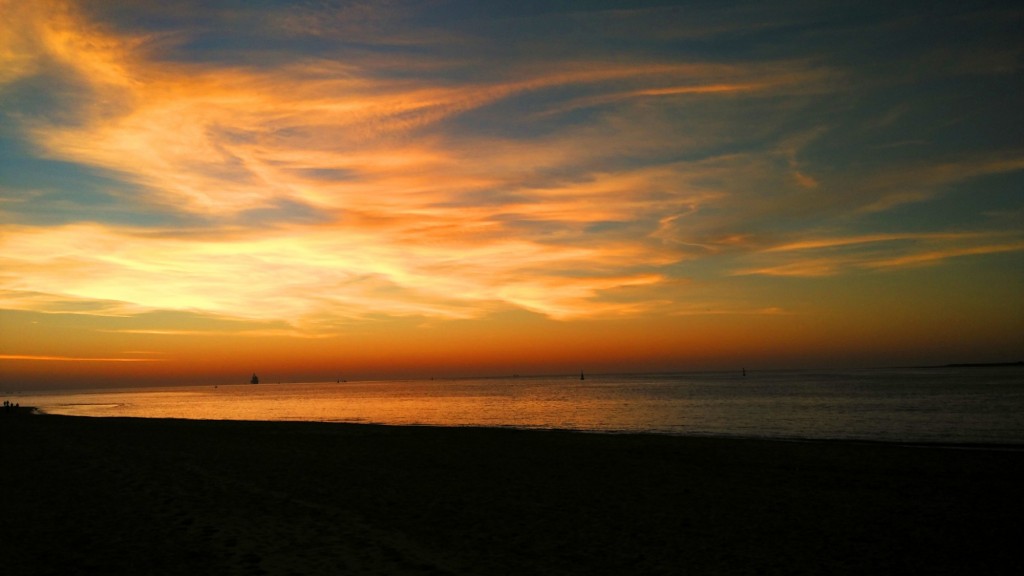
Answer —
(381, 189)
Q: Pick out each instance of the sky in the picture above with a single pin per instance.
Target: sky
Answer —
(192, 191)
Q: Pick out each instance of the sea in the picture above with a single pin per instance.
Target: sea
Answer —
(947, 405)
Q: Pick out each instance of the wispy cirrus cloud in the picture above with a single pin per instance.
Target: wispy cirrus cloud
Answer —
(395, 196)
(828, 256)
(370, 159)
(45, 358)
(300, 277)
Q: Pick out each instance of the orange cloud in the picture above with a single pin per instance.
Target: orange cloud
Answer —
(932, 256)
(320, 193)
(835, 255)
(42, 358)
(307, 275)
(219, 142)
(832, 242)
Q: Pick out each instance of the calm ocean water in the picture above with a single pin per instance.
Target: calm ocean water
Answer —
(955, 405)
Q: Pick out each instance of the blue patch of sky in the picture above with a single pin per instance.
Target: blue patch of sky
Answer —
(537, 230)
(696, 263)
(325, 174)
(229, 33)
(36, 96)
(484, 198)
(750, 28)
(858, 37)
(474, 11)
(51, 95)
(708, 125)
(991, 203)
(867, 133)
(254, 49)
(610, 227)
(705, 31)
(175, 15)
(907, 42)
(524, 116)
(926, 123)
(48, 192)
(978, 114)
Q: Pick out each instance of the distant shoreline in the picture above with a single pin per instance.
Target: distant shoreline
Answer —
(980, 365)
(751, 370)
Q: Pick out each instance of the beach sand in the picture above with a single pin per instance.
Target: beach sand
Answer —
(135, 496)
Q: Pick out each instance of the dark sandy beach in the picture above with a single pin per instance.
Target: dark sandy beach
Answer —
(131, 496)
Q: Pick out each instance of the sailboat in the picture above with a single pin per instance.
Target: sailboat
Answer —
(255, 379)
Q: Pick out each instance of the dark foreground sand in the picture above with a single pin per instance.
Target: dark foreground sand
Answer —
(128, 496)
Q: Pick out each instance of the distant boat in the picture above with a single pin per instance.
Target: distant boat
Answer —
(255, 379)
(581, 375)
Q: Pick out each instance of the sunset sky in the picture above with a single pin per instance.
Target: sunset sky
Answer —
(191, 191)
